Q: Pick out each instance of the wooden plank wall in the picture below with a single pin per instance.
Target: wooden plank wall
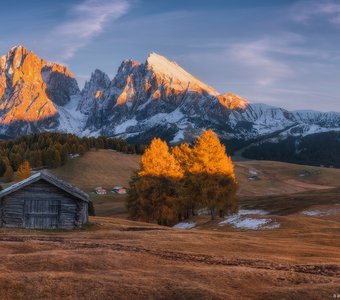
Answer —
(42, 205)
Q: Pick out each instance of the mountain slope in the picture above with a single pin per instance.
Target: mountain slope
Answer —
(159, 98)
(155, 98)
(30, 91)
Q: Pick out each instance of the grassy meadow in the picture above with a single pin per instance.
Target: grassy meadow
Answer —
(115, 258)
(273, 179)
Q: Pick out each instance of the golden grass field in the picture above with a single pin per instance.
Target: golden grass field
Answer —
(107, 168)
(114, 258)
(120, 259)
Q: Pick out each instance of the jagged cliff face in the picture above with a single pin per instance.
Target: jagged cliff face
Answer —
(94, 91)
(159, 98)
(30, 91)
(156, 98)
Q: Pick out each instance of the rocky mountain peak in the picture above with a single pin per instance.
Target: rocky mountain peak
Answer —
(156, 98)
(232, 101)
(127, 65)
(125, 71)
(93, 90)
(31, 89)
(16, 55)
(100, 78)
(174, 76)
(13, 59)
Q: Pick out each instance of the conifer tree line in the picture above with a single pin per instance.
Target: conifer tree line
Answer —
(174, 184)
(51, 150)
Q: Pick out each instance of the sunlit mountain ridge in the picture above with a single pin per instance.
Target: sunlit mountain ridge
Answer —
(143, 100)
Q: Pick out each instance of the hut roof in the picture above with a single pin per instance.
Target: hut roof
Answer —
(76, 192)
(117, 187)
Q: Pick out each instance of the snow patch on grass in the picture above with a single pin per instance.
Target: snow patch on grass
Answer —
(185, 225)
(245, 223)
(245, 212)
(253, 172)
(319, 213)
(271, 226)
(242, 220)
(311, 213)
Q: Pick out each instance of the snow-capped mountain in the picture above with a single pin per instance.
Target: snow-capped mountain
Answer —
(160, 98)
(155, 98)
(266, 119)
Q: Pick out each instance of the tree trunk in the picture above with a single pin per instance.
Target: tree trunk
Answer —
(212, 213)
(193, 211)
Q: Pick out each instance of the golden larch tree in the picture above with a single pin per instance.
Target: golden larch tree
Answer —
(153, 190)
(183, 155)
(211, 181)
(172, 185)
(158, 161)
(24, 171)
(209, 156)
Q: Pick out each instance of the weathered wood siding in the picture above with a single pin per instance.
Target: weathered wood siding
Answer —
(13, 210)
(42, 205)
(41, 213)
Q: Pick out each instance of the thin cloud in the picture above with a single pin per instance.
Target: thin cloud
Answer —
(269, 59)
(87, 20)
(336, 19)
(306, 11)
(258, 58)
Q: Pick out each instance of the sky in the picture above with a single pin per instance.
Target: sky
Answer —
(284, 53)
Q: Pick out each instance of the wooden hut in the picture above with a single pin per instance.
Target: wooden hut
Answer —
(45, 202)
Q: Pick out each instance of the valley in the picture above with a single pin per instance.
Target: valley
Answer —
(284, 239)
(117, 258)
(170, 150)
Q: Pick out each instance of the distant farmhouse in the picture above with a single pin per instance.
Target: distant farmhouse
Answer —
(100, 191)
(116, 189)
(43, 201)
(119, 190)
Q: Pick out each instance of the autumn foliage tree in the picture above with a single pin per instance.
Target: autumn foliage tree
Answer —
(173, 184)
(210, 177)
(24, 171)
(153, 190)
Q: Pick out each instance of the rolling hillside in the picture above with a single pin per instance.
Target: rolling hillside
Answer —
(295, 255)
(257, 178)
(99, 168)
(103, 168)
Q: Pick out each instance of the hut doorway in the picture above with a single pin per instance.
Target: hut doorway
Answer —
(42, 213)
